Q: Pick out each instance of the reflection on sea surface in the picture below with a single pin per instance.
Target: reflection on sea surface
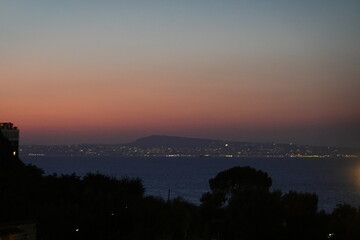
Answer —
(356, 174)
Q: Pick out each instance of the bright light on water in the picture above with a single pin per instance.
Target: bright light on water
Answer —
(356, 174)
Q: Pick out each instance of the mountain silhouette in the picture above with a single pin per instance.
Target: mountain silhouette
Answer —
(174, 141)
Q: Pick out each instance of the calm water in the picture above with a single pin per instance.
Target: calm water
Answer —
(333, 180)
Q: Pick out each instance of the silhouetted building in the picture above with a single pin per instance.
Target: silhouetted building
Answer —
(10, 132)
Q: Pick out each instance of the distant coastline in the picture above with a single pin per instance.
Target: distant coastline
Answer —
(172, 146)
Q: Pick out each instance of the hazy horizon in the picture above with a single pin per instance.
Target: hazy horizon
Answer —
(114, 71)
(190, 137)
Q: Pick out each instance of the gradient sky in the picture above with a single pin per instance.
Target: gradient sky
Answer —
(92, 71)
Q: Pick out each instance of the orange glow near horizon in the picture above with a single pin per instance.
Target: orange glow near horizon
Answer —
(224, 71)
(162, 102)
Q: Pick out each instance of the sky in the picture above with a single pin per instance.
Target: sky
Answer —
(88, 71)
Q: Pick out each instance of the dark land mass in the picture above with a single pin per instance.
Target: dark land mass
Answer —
(157, 141)
(160, 145)
(239, 205)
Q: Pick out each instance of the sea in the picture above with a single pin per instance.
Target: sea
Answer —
(334, 180)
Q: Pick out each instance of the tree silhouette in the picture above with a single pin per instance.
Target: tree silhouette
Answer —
(229, 184)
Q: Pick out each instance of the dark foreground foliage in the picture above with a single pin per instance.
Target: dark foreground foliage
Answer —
(240, 205)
